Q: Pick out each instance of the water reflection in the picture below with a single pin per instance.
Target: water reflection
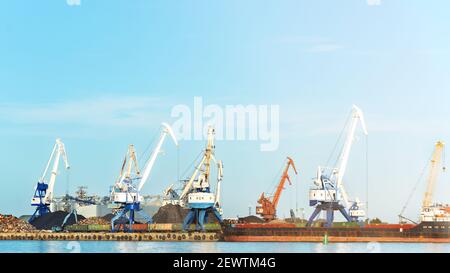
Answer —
(214, 247)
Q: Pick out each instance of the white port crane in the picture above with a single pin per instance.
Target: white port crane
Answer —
(125, 195)
(43, 194)
(197, 191)
(330, 191)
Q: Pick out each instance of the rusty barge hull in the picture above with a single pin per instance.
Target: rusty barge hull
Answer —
(427, 232)
(333, 239)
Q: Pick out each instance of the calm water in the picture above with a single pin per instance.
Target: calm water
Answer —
(215, 247)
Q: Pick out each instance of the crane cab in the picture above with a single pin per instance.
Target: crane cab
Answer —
(322, 195)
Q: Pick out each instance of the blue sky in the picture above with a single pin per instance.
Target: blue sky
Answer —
(104, 74)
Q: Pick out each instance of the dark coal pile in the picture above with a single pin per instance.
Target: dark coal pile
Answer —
(175, 214)
(9, 223)
(54, 219)
(170, 214)
(251, 219)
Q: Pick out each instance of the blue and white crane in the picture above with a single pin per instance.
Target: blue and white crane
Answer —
(329, 194)
(200, 199)
(125, 194)
(43, 194)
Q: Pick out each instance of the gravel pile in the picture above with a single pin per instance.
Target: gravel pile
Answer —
(9, 223)
(94, 221)
(53, 219)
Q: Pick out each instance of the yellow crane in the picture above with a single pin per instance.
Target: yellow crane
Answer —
(436, 162)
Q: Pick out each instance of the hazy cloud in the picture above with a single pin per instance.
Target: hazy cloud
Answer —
(373, 2)
(325, 48)
(115, 113)
(73, 2)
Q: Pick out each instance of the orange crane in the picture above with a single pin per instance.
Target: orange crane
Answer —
(269, 205)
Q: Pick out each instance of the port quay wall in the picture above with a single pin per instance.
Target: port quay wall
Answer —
(109, 236)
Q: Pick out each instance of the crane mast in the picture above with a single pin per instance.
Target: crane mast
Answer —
(127, 166)
(201, 181)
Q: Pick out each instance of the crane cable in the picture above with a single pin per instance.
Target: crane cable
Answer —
(67, 181)
(367, 177)
(416, 185)
(150, 144)
(192, 163)
(338, 141)
(272, 187)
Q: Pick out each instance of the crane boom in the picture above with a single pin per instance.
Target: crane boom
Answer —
(436, 161)
(166, 130)
(44, 174)
(58, 151)
(357, 115)
(284, 177)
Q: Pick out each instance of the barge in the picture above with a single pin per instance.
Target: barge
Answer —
(423, 232)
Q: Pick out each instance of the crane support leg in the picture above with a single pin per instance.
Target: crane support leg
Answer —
(40, 210)
(330, 216)
(189, 219)
(217, 215)
(118, 216)
(313, 216)
(200, 220)
(329, 207)
(200, 215)
(345, 214)
(131, 209)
